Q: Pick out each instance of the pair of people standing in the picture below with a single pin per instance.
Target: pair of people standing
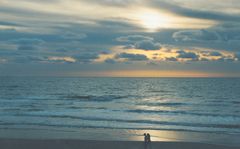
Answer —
(147, 141)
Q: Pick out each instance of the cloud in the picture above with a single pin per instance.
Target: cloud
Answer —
(196, 35)
(215, 53)
(132, 57)
(62, 59)
(211, 53)
(133, 38)
(147, 45)
(44, 1)
(74, 36)
(187, 55)
(5, 23)
(110, 61)
(169, 55)
(28, 59)
(36, 59)
(27, 47)
(140, 42)
(86, 57)
(222, 32)
(118, 3)
(193, 13)
(27, 44)
(196, 56)
(220, 37)
(225, 59)
(117, 25)
(28, 41)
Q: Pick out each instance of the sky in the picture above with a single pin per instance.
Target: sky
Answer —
(120, 38)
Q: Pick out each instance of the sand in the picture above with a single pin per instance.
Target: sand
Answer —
(80, 144)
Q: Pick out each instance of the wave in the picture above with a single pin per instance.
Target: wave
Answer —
(235, 102)
(169, 104)
(89, 108)
(160, 91)
(141, 121)
(182, 112)
(87, 98)
(10, 87)
(83, 98)
(7, 126)
(163, 104)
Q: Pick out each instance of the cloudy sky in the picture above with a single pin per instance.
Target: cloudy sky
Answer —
(123, 38)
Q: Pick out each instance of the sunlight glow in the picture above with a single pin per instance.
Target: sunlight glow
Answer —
(153, 21)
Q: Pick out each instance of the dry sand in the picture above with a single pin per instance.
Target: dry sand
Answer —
(80, 144)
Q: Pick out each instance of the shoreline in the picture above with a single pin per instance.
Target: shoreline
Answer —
(105, 135)
(91, 144)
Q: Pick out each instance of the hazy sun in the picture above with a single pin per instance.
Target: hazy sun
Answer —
(153, 20)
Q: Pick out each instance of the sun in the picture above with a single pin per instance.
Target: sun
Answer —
(153, 20)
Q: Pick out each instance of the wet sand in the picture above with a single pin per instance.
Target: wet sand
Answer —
(83, 144)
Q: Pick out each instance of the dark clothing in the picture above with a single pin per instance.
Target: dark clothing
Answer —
(147, 141)
(148, 138)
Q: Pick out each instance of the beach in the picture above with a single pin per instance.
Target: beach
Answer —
(83, 144)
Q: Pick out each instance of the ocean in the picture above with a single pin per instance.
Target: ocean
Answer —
(121, 108)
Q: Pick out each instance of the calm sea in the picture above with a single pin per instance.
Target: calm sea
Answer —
(62, 104)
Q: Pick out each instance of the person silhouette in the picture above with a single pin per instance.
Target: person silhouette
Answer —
(149, 141)
(145, 141)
